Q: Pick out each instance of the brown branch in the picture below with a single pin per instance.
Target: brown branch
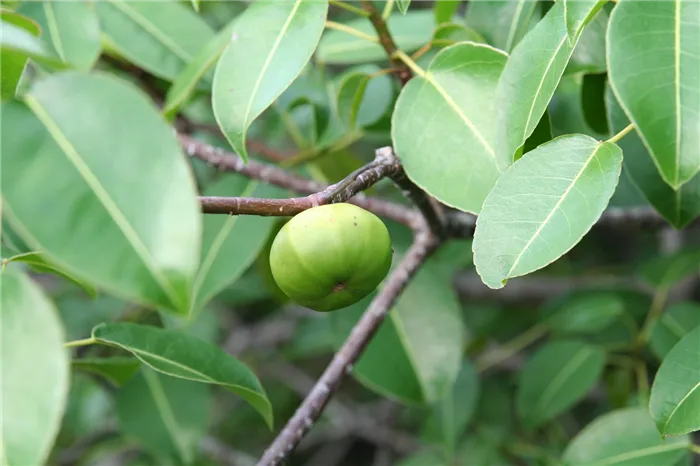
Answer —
(318, 193)
(347, 355)
(403, 72)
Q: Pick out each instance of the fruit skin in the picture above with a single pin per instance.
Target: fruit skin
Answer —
(331, 256)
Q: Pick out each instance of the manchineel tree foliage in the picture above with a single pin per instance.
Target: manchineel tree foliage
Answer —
(497, 199)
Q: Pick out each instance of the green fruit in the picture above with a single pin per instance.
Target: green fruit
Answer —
(331, 256)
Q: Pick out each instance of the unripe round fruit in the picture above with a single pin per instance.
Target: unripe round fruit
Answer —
(331, 256)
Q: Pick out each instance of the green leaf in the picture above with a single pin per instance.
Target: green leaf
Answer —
(450, 33)
(578, 13)
(675, 394)
(625, 437)
(442, 125)
(195, 5)
(541, 134)
(502, 23)
(71, 30)
(451, 415)
(680, 206)
(180, 355)
(403, 5)
(667, 271)
(444, 10)
(201, 63)
(543, 205)
(35, 374)
(654, 76)
(529, 81)
(566, 108)
(351, 92)
(410, 32)
(167, 416)
(37, 261)
(588, 313)
(589, 54)
(230, 243)
(557, 376)
(593, 102)
(160, 37)
(676, 321)
(145, 257)
(415, 356)
(272, 42)
(17, 37)
(118, 370)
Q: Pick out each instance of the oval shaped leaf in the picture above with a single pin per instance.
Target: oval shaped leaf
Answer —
(543, 205)
(502, 23)
(230, 243)
(675, 394)
(110, 186)
(410, 32)
(625, 437)
(35, 373)
(556, 377)
(70, 29)
(679, 207)
(160, 37)
(201, 63)
(415, 356)
(676, 321)
(442, 125)
(655, 79)
(167, 416)
(530, 79)
(272, 42)
(181, 355)
(588, 313)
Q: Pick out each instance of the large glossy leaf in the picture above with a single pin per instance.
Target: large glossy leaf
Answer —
(556, 377)
(625, 437)
(409, 31)
(680, 206)
(167, 416)
(201, 63)
(653, 65)
(272, 41)
(502, 23)
(442, 125)
(160, 37)
(676, 321)
(675, 394)
(75, 204)
(451, 415)
(543, 205)
(34, 372)
(530, 78)
(70, 29)
(231, 243)
(180, 355)
(415, 356)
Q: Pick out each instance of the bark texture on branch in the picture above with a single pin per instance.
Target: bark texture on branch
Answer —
(342, 363)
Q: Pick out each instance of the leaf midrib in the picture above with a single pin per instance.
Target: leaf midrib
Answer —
(152, 29)
(554, 209)
(103, 196)
(268, 60)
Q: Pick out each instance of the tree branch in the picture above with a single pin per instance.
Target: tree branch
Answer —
(387, 42)
(318, 193)
(342, 363)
